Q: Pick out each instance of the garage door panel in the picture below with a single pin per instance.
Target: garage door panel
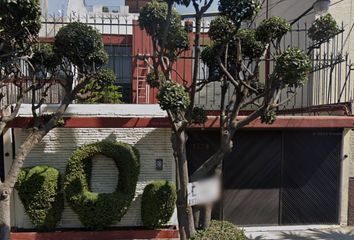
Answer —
(252, 179)
(250, 207)
(310, 177)
(255, 162)
(276, 177)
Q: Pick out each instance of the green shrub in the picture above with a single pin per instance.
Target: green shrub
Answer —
(323, 28)
(220, 230)
(269, 117)
(172, 96)
(153, 80)
(152, 18)
(98, 210)
(292, 67)
(19, 20)
(273, 28)
(222, 30)
(199, 115)
(158, 203)
(101, 89)
(40, 193)
(239, 10)
(81, 44)
(44, 60)
(250, 46)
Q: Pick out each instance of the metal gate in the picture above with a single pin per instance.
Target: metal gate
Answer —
(276, 177)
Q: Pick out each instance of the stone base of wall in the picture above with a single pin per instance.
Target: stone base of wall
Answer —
(104, 235)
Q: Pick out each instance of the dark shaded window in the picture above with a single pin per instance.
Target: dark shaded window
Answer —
(120, 61)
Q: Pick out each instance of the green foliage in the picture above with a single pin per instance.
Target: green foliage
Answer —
(199, 115)
(323, 29)
(208, 57)
(82, 45)
(269, 117)
(273, 28)
(98, 210)
(105, 9)
(44, 58)
(158, 203)
(239, 10)
(179, 2)
(152, 18)
(154, 81)
(250, 46)
(40, 193)
(172, 96)
(222, 30)
(19, 19)
(220, 230)
(209, 54)
(101, 88)
(292, 67)
(177, 38)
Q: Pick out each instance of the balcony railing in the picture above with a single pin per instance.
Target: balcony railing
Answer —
(330, 82)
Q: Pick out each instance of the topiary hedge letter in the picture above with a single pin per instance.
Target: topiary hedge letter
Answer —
(158, 203)
(98, 210)
(40, 193)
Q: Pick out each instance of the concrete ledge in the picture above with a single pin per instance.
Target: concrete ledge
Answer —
(100, 110)
(212, 122)
(288, 228)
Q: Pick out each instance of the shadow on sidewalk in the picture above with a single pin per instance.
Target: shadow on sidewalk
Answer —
(335, 234)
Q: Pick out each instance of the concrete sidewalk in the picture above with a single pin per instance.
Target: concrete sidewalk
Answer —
(311, 232)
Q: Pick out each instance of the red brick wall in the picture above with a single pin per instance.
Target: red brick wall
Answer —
(135, 5)
(142, 46)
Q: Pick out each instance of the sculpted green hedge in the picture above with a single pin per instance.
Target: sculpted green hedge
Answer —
(40, 193)
(98, 210)
(158, 203)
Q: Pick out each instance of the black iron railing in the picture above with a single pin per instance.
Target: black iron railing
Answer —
(329, 83)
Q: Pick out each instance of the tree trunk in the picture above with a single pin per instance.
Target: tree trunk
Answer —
(184, 212)
(197, 53)
(5, 220)
(6, 188)
(213, 166)
(206, 216)
(210, 165)
(196, 216)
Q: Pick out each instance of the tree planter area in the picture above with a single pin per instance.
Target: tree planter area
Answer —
(102, 235)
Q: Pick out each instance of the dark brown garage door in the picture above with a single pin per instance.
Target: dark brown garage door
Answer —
(277, 177)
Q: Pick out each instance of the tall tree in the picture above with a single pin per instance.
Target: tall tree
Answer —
(170, 40)
(233, 58)
(74, 61)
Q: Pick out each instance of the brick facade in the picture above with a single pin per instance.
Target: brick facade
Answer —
(135, 5)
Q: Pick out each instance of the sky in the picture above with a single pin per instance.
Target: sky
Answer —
(190, 9)
(56, 5)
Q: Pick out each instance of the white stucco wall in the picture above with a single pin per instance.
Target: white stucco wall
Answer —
(347, 172)
(58, 145)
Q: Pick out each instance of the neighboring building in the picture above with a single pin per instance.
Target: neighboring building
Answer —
(83, 7)
(300, 170)
(135, 5)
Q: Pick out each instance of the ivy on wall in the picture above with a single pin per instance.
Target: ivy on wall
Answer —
(40, 193)
(99, 210)
(158, 203)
